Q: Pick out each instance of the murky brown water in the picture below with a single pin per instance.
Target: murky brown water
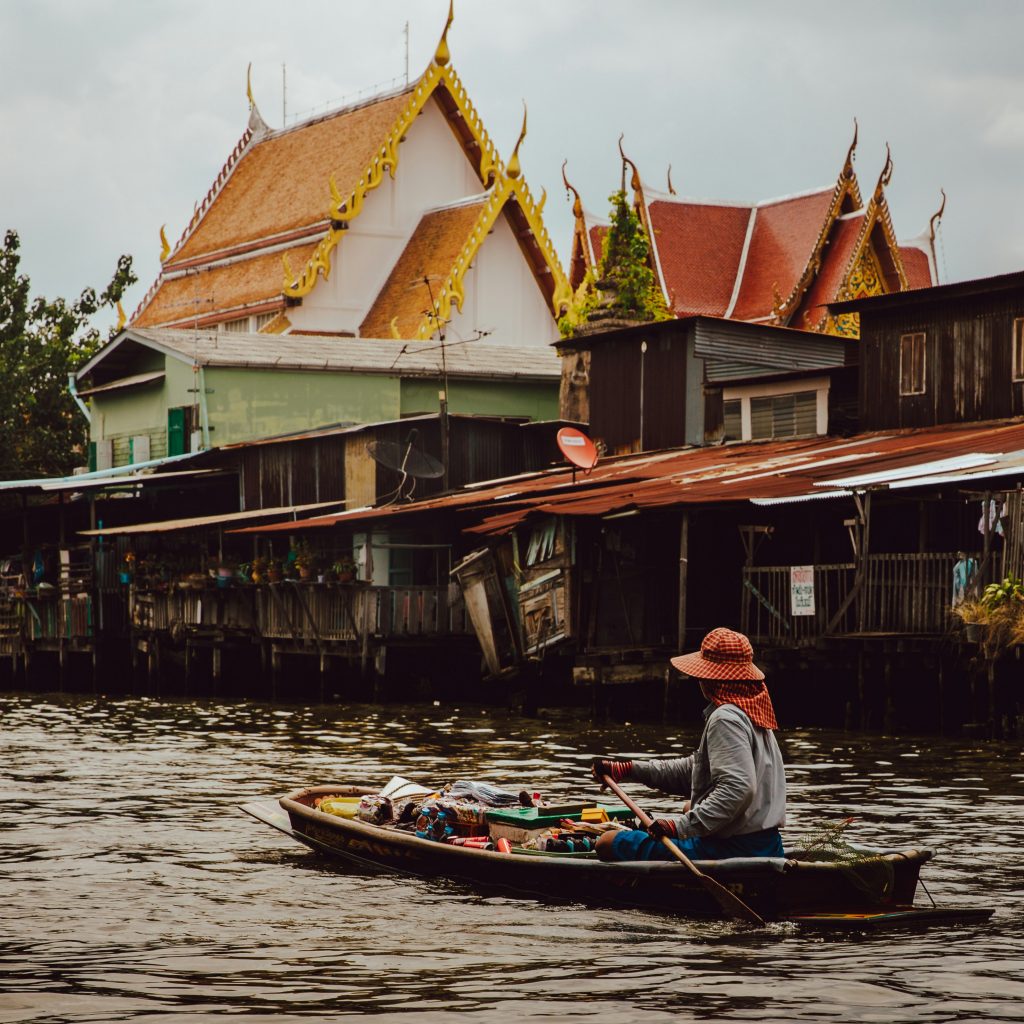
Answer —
(133, 890)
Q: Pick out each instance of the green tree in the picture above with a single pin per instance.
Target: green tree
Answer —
(624, 286)
(42, 341)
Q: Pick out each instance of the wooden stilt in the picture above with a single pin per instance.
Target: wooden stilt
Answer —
(887, 714)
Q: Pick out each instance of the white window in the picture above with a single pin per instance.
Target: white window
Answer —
(1018, 349)
(262, 320)
(239, 326)
(784, 415)
(912, 366)
(785, 408)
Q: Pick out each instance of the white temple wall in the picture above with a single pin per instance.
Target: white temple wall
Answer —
(432, 171)
(502, 296)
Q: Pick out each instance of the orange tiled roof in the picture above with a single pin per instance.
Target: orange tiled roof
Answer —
(430, 252)
(916, 266)
(699, 247)
(221, 289)
(781, 245)
(281, 183)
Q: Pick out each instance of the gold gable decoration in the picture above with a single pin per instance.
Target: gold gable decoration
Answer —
(453, 292)
(345, 208)
(864, 280)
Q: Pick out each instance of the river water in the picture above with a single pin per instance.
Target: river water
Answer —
(134, 890)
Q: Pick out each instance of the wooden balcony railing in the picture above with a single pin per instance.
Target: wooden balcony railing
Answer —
(900, 593)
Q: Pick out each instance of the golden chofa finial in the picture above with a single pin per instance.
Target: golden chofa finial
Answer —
(248, 86)
(634, 181)
(394, 329)
(121, 317)
(851, 152)
(577, 203)
(886, 176)
(937, 215)
(442, 54)
(671, 190)
(513, 170)
(165, 246)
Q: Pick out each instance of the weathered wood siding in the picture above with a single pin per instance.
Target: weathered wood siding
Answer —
(617, 364)
(968, 362)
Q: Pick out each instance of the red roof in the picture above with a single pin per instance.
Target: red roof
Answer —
(755, 471)
(917, 267)
(699, 247)
(781, 245)
(835, 263)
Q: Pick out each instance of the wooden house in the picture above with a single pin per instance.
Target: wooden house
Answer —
(703, 380)
(950, 354)
(159, 392)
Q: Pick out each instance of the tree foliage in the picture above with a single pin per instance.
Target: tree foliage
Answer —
(42, 341)
(624, 286)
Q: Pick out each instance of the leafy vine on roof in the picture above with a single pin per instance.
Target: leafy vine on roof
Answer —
(624, 286)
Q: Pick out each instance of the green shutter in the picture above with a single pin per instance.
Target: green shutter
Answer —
(177, 442)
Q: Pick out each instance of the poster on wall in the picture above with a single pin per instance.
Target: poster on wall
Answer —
(801, 589)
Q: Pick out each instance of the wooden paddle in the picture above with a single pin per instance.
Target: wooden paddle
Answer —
(728, 901)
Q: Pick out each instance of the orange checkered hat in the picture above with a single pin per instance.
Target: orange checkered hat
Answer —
(723, 654)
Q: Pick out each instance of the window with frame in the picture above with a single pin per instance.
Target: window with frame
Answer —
(732, 420)
(239, 326)
(912, 367)
(1018, 348)
(791, 415)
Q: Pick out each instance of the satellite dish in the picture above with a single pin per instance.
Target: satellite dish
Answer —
(577, 448)
(407, 460)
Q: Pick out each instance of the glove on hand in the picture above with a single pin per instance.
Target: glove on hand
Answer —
(617, 770)
(662, 828)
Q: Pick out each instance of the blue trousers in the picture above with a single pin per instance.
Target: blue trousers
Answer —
(638, 845)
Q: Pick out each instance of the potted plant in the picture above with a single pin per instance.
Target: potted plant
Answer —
(304, 560)
(258, 569)
(274, 571)
(974, 617)
(344, 569)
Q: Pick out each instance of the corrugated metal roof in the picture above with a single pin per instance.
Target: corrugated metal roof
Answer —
(167, 525)
(762, 472)
(134, 473)
(480, 358)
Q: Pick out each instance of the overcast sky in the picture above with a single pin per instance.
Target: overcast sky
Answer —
(115, 117)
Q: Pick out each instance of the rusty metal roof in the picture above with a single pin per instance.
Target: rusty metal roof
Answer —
(770, 472)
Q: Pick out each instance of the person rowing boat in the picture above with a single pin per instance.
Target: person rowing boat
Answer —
(735, 779)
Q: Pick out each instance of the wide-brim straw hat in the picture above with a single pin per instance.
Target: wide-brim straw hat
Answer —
(724, 654)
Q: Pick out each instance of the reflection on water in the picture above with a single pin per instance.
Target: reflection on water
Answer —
(135, 889)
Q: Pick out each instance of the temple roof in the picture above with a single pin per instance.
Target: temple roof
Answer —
(280, 184)
(779, 260)
(207, 292)
(430, 254)
(265, 233)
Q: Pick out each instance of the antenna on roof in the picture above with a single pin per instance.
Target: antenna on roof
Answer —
(407, 53)
(407, 460)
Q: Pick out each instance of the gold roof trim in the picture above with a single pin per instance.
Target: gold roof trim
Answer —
(453, 291)
(846, 186)
(344, 209)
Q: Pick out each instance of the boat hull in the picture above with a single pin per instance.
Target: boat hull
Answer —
(777, 889)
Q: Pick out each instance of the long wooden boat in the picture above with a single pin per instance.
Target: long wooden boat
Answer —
(878, 890)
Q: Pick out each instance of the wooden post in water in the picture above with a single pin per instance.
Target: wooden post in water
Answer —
(887, 713)
(684, 555)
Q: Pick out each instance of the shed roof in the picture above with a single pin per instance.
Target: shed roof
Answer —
(771, 472)
(476, 359)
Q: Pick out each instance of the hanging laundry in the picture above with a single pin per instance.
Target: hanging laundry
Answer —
(995, 524)
(964, 571)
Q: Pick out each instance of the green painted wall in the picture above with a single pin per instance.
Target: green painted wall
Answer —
(244, 404)
(535, 400)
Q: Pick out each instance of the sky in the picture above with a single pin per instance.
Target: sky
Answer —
(116, 116)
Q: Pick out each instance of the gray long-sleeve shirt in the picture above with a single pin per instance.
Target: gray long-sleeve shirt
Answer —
(735, 779)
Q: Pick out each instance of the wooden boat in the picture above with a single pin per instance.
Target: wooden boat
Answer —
(878, 891)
